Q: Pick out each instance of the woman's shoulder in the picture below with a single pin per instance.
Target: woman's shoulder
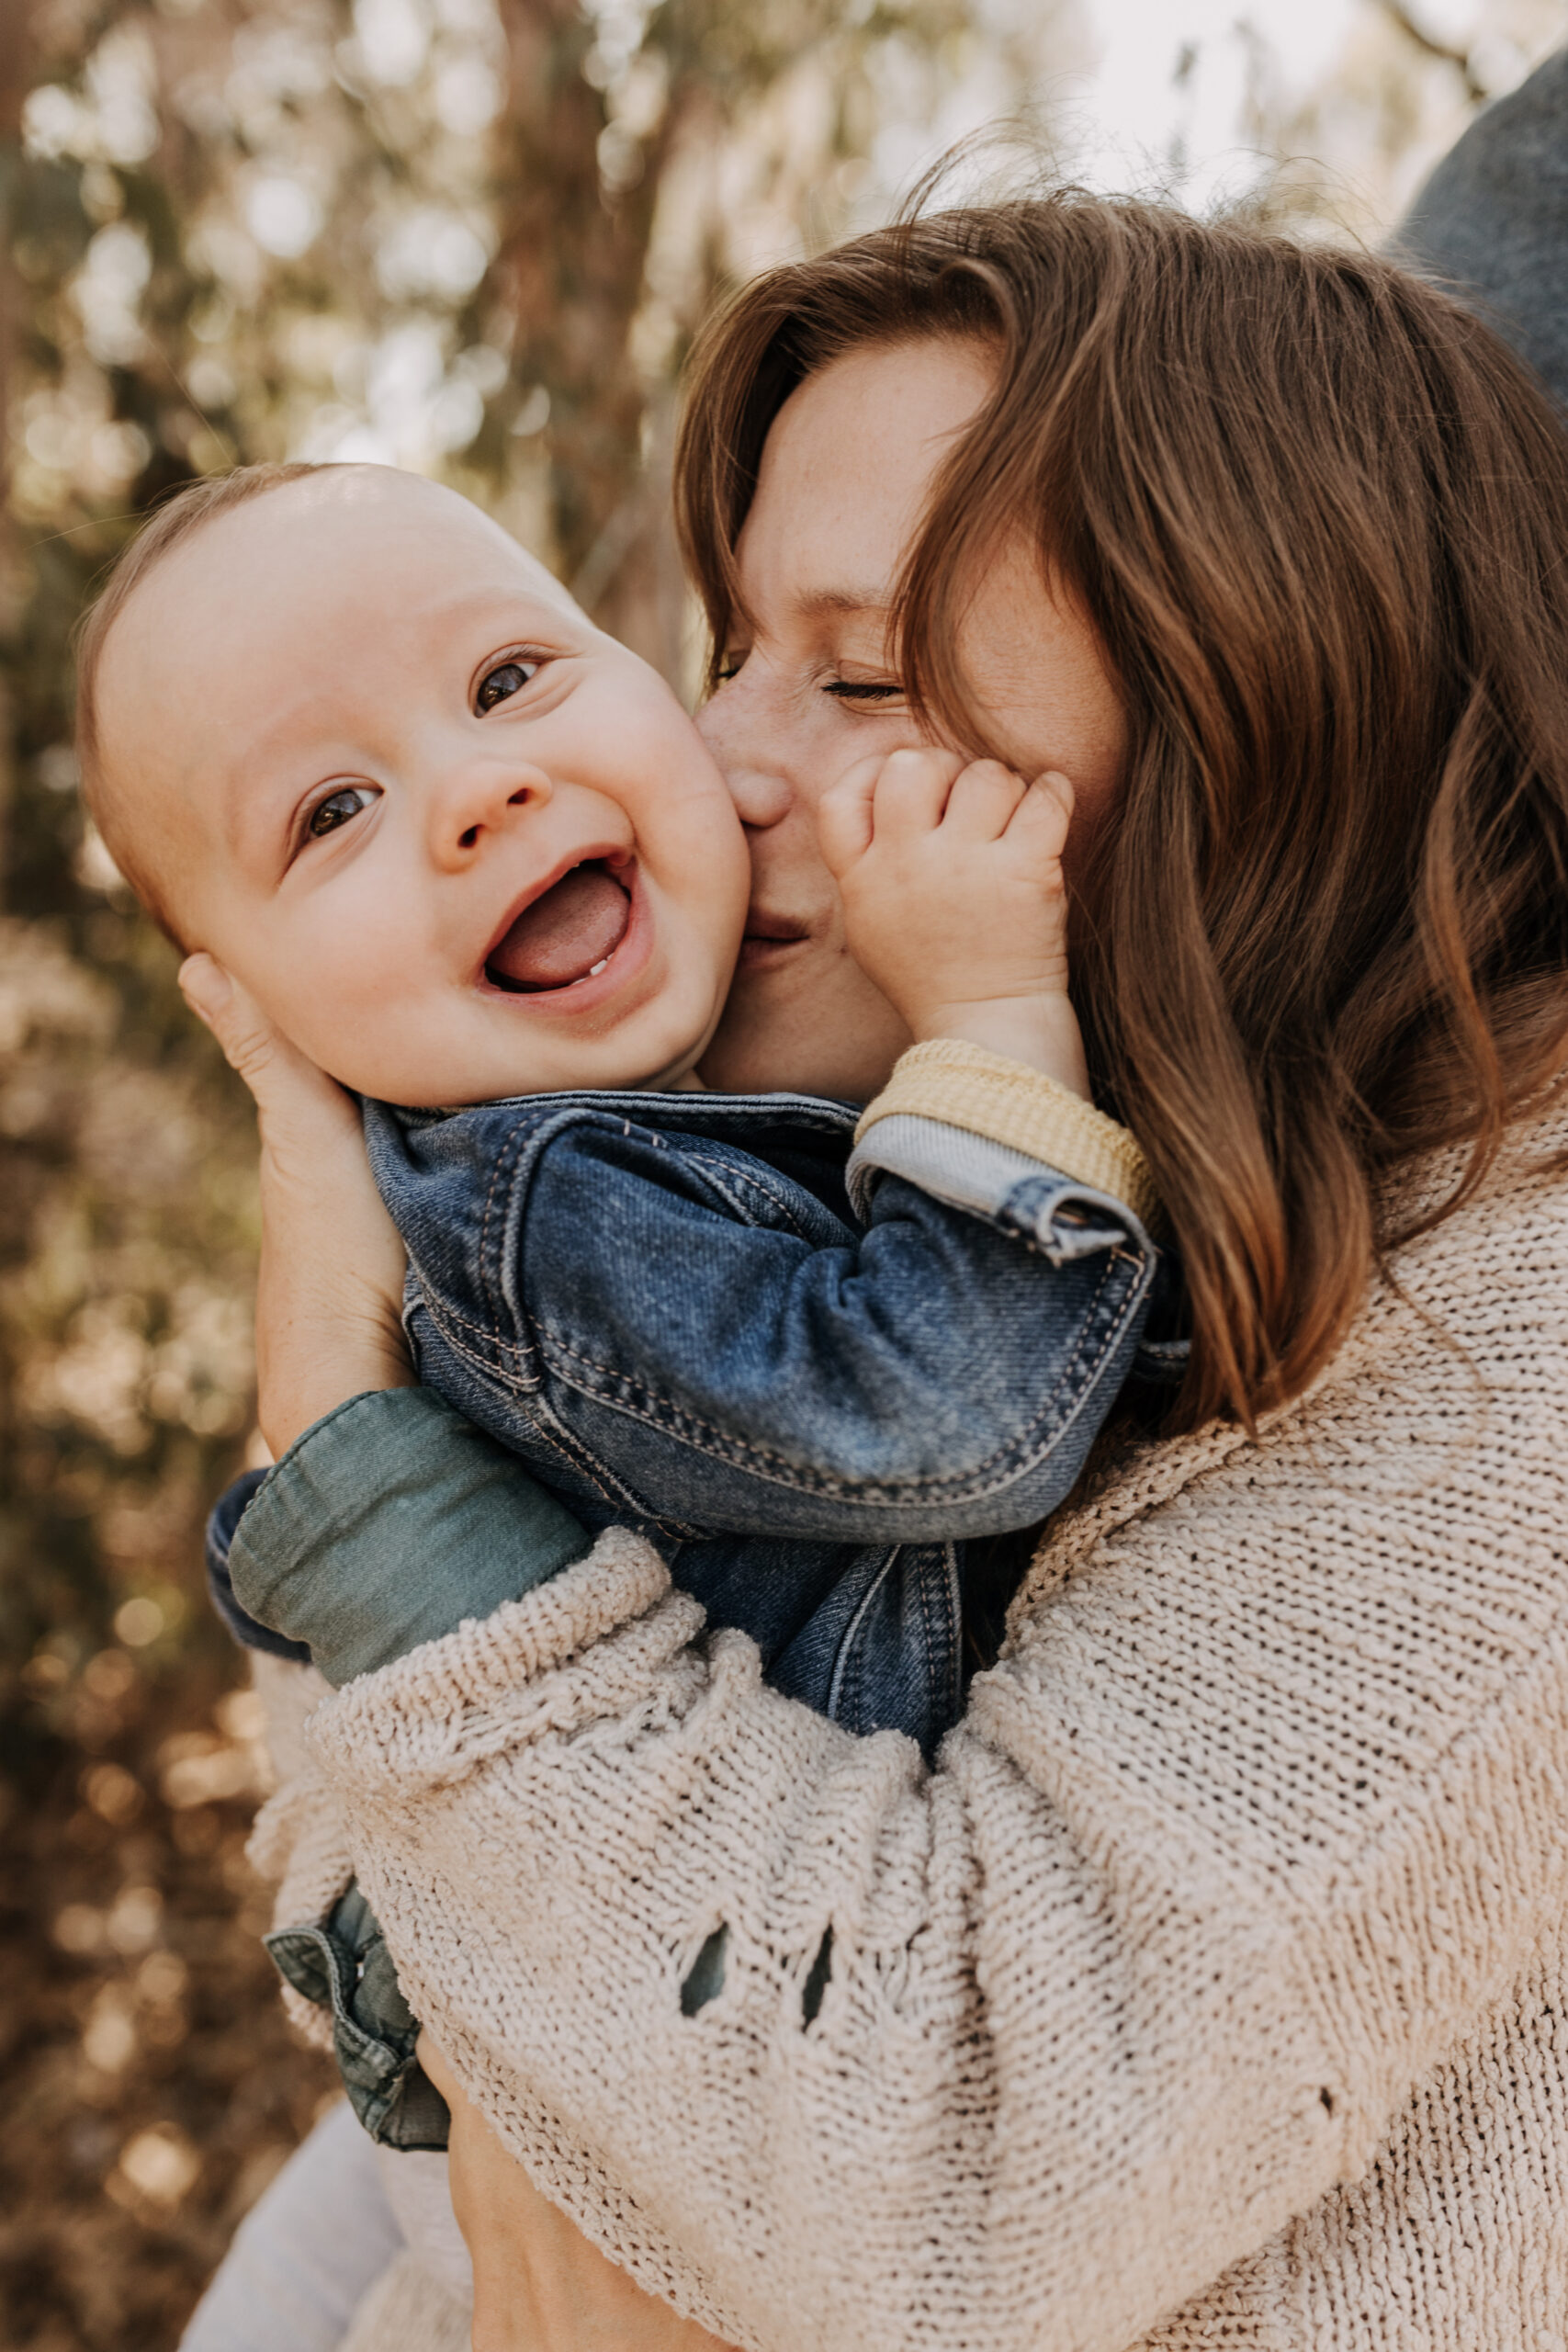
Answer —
(1524, 1190)
(1443, 1414)
(1483, 1293)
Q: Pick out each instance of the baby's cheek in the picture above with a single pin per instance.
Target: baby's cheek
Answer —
(348, 1008)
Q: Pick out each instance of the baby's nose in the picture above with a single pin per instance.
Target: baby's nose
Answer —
(481, 798)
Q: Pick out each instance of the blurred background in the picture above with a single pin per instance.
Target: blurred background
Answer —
(472, 237)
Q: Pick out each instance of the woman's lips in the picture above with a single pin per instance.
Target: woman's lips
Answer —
(768, 940)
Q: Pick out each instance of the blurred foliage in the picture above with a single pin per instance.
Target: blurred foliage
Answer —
(472, 237)
(468, 236)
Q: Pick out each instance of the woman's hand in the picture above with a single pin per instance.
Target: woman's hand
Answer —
(537, 2280)
(329, 1299)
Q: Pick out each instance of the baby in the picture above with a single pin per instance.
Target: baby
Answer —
(470, 856)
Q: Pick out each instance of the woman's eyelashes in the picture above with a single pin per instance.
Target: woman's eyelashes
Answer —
(506, 678)
(337, 809)
(872, 693)
(878, 692)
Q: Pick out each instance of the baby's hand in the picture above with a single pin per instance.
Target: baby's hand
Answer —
(954, 903)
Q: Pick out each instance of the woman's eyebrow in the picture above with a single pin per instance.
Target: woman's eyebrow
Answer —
(824, 604)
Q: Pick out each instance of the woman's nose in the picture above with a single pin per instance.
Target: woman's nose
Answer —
(479, 798)
(734, 732)
(762, 797)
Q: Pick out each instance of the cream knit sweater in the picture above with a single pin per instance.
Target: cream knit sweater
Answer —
(1211, 1993)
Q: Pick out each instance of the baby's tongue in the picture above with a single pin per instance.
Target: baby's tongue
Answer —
(563, 934)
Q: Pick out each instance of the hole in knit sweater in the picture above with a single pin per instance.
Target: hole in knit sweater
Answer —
(816, 1983)
(705, 1978)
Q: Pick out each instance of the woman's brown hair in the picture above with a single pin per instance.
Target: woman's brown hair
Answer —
(1319, 517)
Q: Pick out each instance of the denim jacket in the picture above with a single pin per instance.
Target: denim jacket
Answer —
(670, 1307)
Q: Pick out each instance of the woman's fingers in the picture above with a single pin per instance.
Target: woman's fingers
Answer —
(329, 1299)
(247, 1037)
(285, 1086)
(207, 988)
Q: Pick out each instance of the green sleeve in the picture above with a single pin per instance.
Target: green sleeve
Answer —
(390, 1522)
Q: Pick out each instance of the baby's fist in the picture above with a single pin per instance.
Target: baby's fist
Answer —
(955, 901)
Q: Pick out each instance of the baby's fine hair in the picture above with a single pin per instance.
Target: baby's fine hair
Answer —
(178, 518)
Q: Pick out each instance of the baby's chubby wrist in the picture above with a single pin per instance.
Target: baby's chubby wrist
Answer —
(1039, 1030)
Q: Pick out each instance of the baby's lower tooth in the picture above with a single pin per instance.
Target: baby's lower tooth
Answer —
(598, 966)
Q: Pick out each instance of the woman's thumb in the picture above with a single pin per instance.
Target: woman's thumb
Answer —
(206, 987)
(240, 1026)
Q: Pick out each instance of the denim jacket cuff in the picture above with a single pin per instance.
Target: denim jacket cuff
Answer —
(1064, 1217)
(387, 1525)
(982, 1093)
(342, 1964)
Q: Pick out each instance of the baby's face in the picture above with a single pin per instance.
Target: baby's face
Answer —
(456, 842)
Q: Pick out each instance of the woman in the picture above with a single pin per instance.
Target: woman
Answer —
(1208, 1988)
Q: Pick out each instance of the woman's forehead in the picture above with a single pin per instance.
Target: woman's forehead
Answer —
(847, 468)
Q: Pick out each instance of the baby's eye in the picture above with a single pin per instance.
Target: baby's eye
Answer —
(507, 678)
(338, 809)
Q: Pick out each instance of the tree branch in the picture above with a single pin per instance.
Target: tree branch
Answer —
(1431, 46)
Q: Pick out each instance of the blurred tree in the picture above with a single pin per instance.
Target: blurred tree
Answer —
(469, 236)
(295, 228)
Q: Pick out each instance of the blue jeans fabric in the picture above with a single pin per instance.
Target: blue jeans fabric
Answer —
(671, 1311)
(342, 1966)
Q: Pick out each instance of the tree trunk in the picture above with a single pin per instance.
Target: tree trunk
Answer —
(570, 269)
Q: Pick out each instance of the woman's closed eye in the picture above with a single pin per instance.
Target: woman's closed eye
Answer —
(879, 692)
(337, 809)
(504, 679)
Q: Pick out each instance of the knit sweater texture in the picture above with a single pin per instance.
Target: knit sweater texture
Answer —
(1210, 1992)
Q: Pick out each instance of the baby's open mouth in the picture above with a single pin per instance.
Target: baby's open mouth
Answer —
(569, 931)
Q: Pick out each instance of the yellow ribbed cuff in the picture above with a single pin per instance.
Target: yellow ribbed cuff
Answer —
(966, 1086)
